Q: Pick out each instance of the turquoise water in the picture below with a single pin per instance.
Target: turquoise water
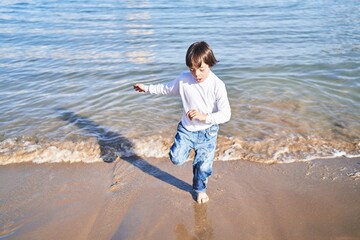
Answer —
(67, 68)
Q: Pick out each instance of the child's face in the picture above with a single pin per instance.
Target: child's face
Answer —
(200, 74)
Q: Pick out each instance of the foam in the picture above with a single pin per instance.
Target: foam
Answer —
(285, 149)
(89, 150)
(20, 150)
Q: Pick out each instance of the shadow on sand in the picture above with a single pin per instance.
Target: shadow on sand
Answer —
(113, 144)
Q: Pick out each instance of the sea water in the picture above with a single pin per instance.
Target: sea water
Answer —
(291, 68)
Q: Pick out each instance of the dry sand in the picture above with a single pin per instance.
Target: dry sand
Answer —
(151, 199)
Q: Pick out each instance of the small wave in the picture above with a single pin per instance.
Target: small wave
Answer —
(24, 149)
(89, 150)
(285, 150)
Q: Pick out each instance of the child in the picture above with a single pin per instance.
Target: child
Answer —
(205, 105)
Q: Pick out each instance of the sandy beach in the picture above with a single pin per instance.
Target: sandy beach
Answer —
(151, 199)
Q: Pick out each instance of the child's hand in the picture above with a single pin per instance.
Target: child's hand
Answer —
(194, 114)
(139, 87)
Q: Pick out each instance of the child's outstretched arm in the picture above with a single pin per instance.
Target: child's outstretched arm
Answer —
(168, 88)
(139, 87)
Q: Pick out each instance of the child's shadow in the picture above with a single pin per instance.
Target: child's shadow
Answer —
(113, 144)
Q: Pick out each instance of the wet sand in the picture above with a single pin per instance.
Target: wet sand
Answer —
(151, 199)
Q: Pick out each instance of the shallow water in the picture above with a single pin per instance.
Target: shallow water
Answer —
(291, 69)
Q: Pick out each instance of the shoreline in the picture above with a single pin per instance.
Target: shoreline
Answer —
(151, 199)
(106, 146)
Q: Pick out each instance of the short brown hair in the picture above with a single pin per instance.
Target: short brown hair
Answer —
(199, 52)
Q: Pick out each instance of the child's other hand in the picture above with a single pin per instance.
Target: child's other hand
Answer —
(194, 114)
(139, 87)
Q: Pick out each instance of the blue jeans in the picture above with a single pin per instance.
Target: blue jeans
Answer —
(204, 144)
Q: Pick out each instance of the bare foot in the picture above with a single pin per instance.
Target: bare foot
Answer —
(202, 197)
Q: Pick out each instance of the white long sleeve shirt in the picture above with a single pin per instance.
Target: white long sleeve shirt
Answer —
(208, 97)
